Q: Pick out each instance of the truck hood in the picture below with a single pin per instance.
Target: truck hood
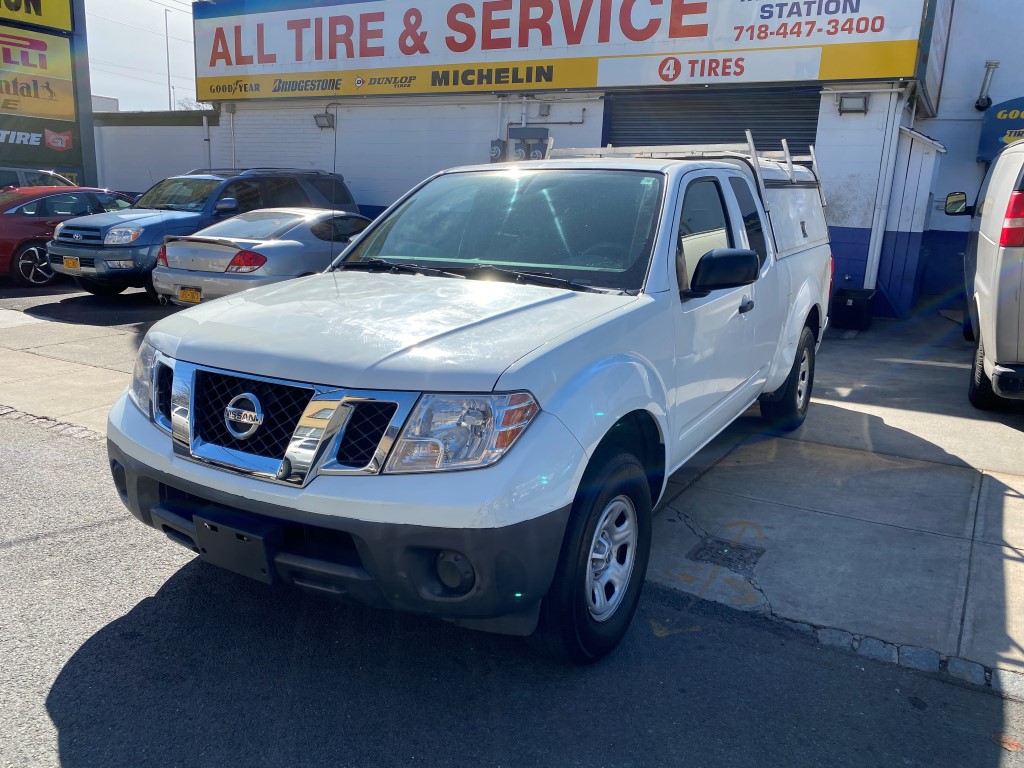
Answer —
(379, 331)
(140, 217)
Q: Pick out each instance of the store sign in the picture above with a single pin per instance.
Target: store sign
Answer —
(36, 78)
(259, 49)
(1004, 125)
(40, 143)
(54, 14)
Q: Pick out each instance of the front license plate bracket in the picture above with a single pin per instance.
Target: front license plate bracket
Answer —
(72, 262)
(244, 549)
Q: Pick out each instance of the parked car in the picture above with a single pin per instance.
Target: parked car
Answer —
(28, 177)
(252, 249)
(472, 414)
(28, 216)
(111, 252)
(994, 280)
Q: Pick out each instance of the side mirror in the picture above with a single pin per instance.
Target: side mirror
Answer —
(226, 205)
(956, 205)
(137, 198)
(721, 269)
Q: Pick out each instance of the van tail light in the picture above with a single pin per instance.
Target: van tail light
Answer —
(1013, 227)
(161, 256)
(831, 273)
(246, 261)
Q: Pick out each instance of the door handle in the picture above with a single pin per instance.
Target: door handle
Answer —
(746, 306)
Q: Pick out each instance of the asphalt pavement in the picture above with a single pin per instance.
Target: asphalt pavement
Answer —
(119, 648)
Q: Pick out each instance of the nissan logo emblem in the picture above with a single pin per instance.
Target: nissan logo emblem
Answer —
(243, 416)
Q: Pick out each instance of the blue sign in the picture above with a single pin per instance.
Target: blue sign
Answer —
(1004, 124)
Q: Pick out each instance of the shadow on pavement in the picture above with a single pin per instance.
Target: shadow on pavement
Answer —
(215, 670)
(129, 308)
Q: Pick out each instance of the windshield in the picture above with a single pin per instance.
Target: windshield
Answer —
(593, 227)
(44, 179)
(254, 225)
(179, 194)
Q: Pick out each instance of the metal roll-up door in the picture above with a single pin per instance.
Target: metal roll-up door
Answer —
(715, 118)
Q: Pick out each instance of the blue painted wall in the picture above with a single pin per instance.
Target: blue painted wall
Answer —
(915, 269)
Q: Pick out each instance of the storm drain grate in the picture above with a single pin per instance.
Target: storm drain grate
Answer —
(740, 558)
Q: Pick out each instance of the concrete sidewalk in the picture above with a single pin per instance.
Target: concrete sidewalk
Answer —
(895, 514)
(892, 522)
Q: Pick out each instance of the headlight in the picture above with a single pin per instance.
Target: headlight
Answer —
(141, 390)
(122, 235)
(57, 229)
(461, 431)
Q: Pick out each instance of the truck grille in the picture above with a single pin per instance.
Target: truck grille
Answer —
(85, 261)
(365, 430)
(283, 406)
(87, 235)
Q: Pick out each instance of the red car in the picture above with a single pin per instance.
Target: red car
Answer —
(28, 216)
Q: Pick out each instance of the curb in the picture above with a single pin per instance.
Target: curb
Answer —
(1001, 682)
(7, 413)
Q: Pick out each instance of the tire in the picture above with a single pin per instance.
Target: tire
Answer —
(589, 608)
(968, 326)
(789, 411)
(30, 266)
(99, 289)
(151, 289)
(979, 389)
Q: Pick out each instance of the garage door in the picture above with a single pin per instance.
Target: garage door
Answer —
(714, 118)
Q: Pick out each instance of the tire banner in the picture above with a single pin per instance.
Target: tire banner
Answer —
(260, 49)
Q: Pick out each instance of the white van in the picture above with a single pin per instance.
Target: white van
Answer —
(994, 280)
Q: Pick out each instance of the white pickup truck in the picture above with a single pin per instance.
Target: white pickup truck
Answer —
(472, 414)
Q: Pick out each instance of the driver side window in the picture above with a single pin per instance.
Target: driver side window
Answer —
(246, 193)
(703, 226)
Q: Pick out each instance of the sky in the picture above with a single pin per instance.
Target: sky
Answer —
(127, 51)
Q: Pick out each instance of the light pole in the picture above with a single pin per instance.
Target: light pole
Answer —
(167, 51)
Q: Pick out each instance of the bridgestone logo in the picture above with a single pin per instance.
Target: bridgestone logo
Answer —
(290, 86)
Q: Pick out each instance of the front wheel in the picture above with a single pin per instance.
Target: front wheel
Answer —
(602, 564)
(99, 289)
(789, 411)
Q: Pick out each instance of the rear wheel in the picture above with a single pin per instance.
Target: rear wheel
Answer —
(99, 289)
(789, 411)
(31, 266)
(979, 390)
(602, 564)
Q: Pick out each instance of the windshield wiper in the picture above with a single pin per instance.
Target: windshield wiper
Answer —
(536, 278)
(373, 265)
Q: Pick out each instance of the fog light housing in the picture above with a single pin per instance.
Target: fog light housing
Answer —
(120, 264)
(455, 571)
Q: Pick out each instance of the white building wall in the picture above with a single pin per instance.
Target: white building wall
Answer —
(851, 150)
(134, 158)
(383, 147)
(982, 30)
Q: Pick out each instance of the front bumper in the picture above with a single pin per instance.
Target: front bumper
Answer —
(1008, 381)
(93, 262)
(376, 539)
(213, 285)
